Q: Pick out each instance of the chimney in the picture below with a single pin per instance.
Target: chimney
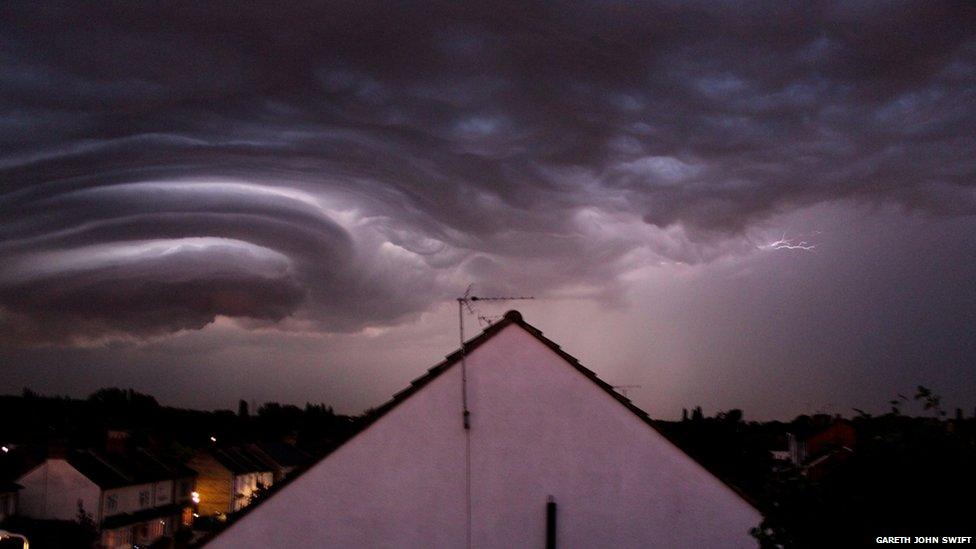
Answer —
(115, 441)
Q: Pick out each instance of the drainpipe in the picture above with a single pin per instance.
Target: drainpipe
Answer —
(551, 523)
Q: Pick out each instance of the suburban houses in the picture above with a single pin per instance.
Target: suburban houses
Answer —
(132, 497)
(126, 479)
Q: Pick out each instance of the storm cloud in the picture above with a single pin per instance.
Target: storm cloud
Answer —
(329, 167)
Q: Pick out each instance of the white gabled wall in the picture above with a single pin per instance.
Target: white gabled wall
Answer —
(539, 428)
(52, 491)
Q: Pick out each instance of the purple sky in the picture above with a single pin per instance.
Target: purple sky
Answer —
(762, 206)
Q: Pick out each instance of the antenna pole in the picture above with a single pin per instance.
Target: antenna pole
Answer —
(466, 414)
(465, 302)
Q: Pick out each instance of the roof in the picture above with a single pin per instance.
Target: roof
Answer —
(282, 454)
(109, 470)
(241, 460)
(510, 318)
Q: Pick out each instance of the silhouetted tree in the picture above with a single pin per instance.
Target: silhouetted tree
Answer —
(931, 400)
(88, 531)
(733, 416)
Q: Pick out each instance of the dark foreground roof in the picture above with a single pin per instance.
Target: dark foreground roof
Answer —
(510, 318)
(110, 470)
(282, 454)
(241, 460)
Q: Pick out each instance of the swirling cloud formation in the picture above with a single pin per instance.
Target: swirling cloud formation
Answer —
(334, 166)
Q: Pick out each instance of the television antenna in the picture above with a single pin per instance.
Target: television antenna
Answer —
(465, 302)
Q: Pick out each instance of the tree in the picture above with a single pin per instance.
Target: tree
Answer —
(87, 528)
(896, 404)
(732, 416)
(931, 400)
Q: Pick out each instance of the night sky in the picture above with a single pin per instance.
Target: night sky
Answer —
(763, 206)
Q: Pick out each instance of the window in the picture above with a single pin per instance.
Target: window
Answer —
(144, 500)
(112, 503)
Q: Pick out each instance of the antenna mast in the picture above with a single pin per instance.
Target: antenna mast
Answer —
(464, 302)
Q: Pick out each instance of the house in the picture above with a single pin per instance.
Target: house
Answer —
(806, 442)
(823, 450)
(510, 442)
(228, 478)
(132, 497)
(285, 458)
(839, 434)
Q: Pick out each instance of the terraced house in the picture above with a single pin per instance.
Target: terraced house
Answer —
(230, 477)
(132, 497)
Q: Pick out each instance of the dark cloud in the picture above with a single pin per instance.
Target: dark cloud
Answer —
(330, 167)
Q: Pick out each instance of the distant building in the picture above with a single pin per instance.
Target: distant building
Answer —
(838, 435)
(132, 497)
(228, 478)
(553, 456)
(814, 451)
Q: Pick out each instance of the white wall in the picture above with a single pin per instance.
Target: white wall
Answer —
(245, 485)
(163, 493)
(128, 498)
(539, 427)
(52, 491)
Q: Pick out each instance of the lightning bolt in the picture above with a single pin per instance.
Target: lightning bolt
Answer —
(788, 244)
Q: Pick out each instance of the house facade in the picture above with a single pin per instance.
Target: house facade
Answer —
(228, 478)
(132, 499)
(551, 455)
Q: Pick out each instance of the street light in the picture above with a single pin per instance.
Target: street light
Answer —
(8, 535)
